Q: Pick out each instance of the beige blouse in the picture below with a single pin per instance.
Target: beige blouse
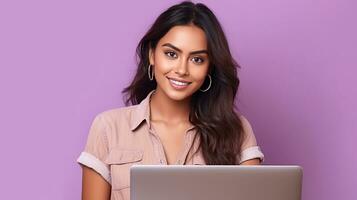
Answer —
(121, 137)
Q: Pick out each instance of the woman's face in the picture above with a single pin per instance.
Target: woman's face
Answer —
(180, 61)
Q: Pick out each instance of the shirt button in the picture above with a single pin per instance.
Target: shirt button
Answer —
(161, 161)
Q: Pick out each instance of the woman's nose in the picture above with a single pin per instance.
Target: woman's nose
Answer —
(182, 68)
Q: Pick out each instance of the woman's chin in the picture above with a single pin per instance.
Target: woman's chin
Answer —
(180, 95)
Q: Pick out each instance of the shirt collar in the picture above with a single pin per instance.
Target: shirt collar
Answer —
(142, 112)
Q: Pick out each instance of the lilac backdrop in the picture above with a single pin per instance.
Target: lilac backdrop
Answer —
(62, 62)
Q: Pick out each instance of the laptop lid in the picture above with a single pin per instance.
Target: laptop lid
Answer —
(212, 182)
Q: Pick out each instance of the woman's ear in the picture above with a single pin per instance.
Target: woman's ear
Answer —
(151, 56)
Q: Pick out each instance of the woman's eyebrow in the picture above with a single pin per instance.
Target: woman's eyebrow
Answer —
(179, 50)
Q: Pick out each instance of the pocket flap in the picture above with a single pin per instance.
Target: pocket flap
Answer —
(121, 156)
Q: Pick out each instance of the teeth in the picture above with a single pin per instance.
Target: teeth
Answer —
(178, 82)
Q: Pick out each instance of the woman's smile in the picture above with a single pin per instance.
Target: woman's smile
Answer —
(178, 84)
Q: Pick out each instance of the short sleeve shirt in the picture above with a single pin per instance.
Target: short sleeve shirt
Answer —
(121, 137)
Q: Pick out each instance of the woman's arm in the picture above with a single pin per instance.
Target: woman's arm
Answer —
(94, 186)
(255, 161)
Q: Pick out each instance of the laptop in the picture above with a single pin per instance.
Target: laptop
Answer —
(215, 182)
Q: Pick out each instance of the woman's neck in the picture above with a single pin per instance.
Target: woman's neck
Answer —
(165, 109)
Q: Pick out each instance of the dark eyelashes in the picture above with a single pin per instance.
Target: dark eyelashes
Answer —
(201, 59)
(169, 54)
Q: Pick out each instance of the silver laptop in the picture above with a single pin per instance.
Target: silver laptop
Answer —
(218, 182)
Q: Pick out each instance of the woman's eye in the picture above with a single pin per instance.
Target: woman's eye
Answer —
(171, 54)
(197, 60)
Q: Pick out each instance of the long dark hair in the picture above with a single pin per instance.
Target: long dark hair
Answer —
(212, 112)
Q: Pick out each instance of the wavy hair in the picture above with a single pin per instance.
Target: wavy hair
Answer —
(212, 112)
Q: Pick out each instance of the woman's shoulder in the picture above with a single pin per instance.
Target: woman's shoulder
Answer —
(115, 114)
(247, 129)
(245, 122)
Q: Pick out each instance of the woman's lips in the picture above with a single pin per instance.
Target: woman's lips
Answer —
(178, 85)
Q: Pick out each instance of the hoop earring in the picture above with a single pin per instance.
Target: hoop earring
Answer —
(209, 86)
(151, 74)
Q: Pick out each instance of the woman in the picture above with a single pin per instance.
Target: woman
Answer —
(182, 108)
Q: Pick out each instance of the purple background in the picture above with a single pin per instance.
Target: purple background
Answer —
(62, 62)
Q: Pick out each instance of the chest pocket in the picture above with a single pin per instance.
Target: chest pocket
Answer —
(120, 161)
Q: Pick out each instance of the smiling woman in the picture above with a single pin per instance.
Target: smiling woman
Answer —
(180, 62)
(182, 107)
